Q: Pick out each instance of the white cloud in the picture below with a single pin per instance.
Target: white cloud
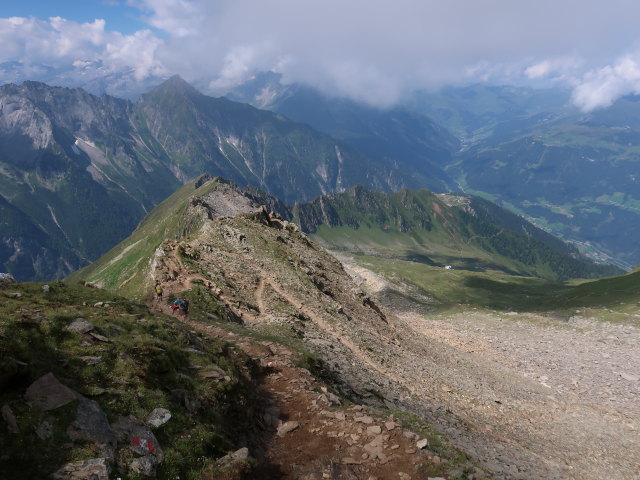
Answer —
(178, 17)
(600, 88)
(367, 49)
(58, 42)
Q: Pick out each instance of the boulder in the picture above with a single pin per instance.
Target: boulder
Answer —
(80, 325)
(374, 430)
(91, 424)
(48, 393)
(158, 417)
(287, 427)
(422, 443)
(138, 438)
(233, 458)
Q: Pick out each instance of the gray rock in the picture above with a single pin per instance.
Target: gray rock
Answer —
(48, 393)
(422, 443)
(46, 288)
(138, 438)
(374, 430)
(334, 399)
(10, 419)
(89, 360)
(146, 465)
(630, 377)
(213, 372)
(91, 424)
(158, 417)
(375, 448)
(390, 425)
(94, 469)
(80, 325)
(287, 427)
(235, 457)
(364, 419)
(99, 337)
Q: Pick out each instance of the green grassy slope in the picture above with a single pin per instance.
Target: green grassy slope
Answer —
(452, 230)
(436, 290)
(130, 259)
(139, 362)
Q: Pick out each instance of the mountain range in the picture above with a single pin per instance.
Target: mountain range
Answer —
(343, 322)
(523, 149)
(78, 172)
(529, 150)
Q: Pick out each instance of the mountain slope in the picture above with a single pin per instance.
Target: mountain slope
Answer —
(70, 166)
(579, 181)
(282, 285)
(251, 146)
(83, 170)
(398, 137)
(531, 151)
(462, 231)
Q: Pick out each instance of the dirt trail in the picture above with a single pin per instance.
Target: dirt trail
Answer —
(527, 396)
(260, 296)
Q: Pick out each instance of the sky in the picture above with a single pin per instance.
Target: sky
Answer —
(370, 50)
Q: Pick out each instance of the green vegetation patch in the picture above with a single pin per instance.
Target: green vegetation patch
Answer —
(130, 363)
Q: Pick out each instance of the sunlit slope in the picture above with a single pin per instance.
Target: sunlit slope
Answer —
(125, 267)
(126, 264)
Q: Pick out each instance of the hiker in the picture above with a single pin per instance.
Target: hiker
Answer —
(184, 307)
(176, 305)
(158, 291)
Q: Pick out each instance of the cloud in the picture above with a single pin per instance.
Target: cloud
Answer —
(178, 17)
(59, 42)
(600, 88)
(366, 49)
(376, 50)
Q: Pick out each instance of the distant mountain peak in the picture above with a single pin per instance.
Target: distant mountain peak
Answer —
(176, 84)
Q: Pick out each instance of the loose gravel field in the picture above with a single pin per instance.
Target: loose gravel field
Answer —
(530, 396)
